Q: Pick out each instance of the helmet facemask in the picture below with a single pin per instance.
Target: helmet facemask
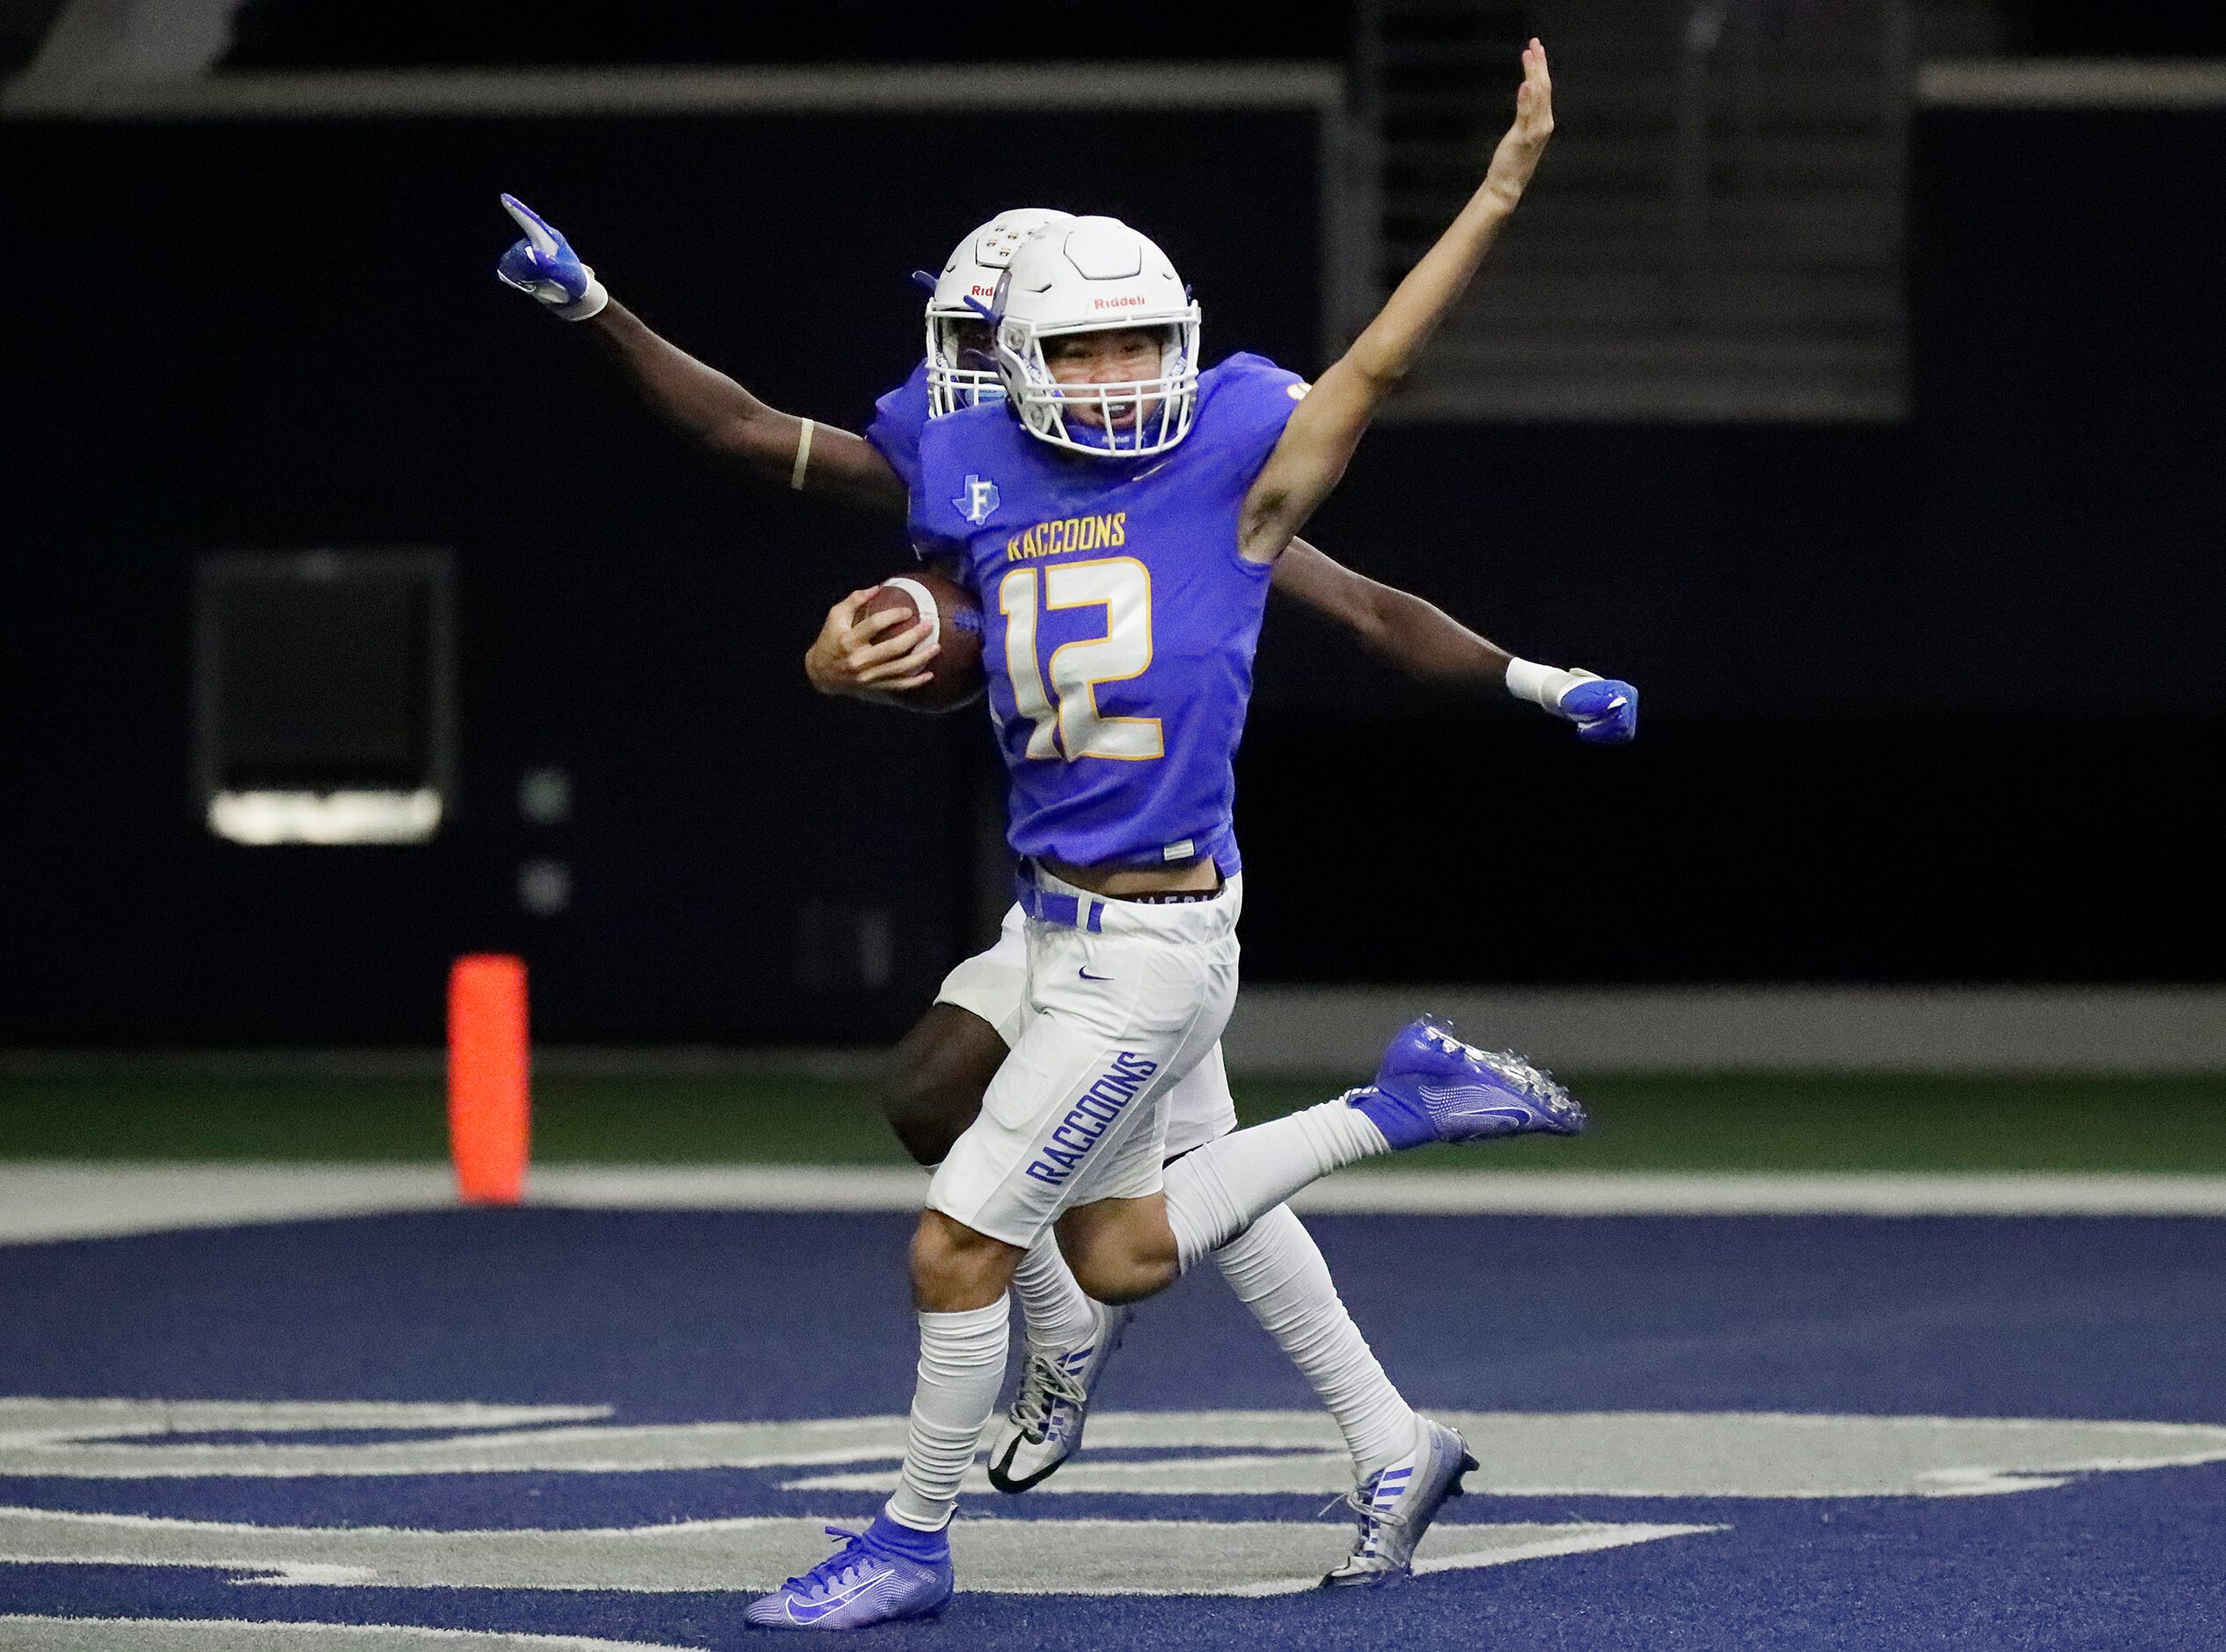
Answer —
(961, 363)
(1132, 417)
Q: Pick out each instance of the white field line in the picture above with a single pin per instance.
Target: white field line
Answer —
(35, 1633)
(61, 1200)
(1766, 1193)
(58, 1200)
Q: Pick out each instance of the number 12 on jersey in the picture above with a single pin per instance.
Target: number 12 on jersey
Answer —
(1066, 723)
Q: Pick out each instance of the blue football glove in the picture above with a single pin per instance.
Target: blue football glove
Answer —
(545, 265)
(1605, 711)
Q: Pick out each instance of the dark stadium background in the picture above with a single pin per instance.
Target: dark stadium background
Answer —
(1931, 702)
(1852, 379)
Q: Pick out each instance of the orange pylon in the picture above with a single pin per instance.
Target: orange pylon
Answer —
(489, 1105)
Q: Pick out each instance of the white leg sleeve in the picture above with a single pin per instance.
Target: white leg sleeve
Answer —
(1277, 1270)
(1052, 1306)
(1216, 1192)
(962, 1366)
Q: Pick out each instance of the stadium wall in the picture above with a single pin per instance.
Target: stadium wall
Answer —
(1926, 704)
(1931, 702)
(244, 326)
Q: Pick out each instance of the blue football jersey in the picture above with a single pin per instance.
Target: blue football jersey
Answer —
(898, 419)
(1119, 619)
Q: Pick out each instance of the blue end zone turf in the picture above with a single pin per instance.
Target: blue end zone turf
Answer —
(1837, 1527)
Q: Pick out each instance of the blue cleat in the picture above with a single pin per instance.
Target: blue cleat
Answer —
(1396, 1504)
(885, 1574)
(1431, 1087)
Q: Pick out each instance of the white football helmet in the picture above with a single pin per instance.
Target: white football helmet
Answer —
(1091, 275)
(959, 376)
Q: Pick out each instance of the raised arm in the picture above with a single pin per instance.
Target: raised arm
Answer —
(1326, 427)
(1428, 644)
(693, 396)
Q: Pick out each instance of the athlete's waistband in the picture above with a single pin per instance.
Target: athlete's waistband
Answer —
(1052, 900)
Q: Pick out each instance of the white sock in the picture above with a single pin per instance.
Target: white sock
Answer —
(1215, 1194)
(962, 1366)
(1052, 1306)
(1277, 1270)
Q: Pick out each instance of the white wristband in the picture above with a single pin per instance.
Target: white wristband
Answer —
(588, 305)
(1543, 685)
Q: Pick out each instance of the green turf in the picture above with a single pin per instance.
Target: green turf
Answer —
(1736, 1123)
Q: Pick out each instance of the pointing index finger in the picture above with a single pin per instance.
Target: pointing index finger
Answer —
(543, 238)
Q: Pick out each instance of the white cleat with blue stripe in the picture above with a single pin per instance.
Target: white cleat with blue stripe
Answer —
(1044, 1427)
(1395, 1505)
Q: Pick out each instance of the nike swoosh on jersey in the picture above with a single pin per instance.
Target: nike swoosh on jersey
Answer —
(1087, 975)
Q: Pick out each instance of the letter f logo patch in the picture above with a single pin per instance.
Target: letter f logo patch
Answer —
(978, 503)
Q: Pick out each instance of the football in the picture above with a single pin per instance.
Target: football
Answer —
(956, 676)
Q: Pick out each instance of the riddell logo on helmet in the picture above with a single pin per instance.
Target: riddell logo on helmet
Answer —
(1117, 304)
(983, 292)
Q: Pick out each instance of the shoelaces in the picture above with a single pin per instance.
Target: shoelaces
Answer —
(1374, 1522)
(835, 1571)
(1048, 1385)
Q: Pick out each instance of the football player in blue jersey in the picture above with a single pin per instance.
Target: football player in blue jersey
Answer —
(1127, 394)
(943, 1066)
(1117, 516)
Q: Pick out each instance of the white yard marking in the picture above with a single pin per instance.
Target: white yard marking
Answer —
(24, 1420)
(93, 1201)
(1162, 1453)
(47, 1202)
(1623, 1454)
(23, 1632)
(1002, 1556)
(87, 1440)
(1778, 1193)
(1665, 1455)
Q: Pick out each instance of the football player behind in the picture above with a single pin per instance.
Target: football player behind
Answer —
(942, 1067)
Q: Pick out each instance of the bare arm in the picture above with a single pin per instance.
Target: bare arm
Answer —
(1326, 427)
(1431, 646)
(1398, 627)
(706, 405)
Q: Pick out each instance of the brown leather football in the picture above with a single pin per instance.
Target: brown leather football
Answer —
(956, 678)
